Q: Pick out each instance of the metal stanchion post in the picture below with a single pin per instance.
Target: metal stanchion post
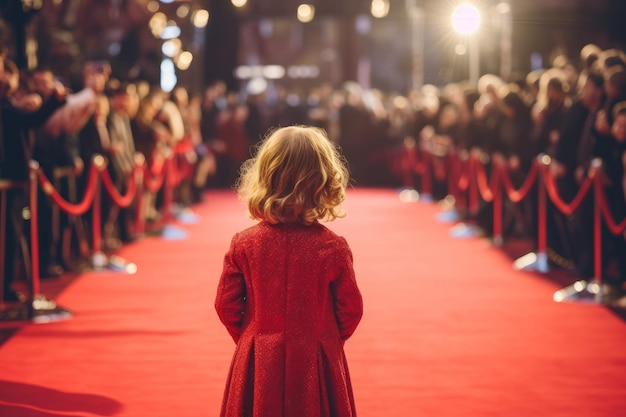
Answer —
(100, 260)
(538, 261)
(498, 241)
(594, 291)
(41, 309)
(3, 235)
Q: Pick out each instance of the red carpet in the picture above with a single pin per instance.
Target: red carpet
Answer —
(449, 329)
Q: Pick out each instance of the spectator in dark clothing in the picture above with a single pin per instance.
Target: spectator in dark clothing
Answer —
(548, 115)
(614, 246)
(549, 112)
(15, 153)
(572, 159)
(574, 150)
(615, 89)
(355, 127)
(514, 136)
(57, 145)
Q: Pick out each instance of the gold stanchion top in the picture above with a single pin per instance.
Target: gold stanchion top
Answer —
(99, 161)
(544, 159)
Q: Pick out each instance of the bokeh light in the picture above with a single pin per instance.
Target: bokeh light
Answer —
(200, 18)
(306, 12)
(239, 3)
(379, 8)
(465, 19)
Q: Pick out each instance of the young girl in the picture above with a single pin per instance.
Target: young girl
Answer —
(288, 294)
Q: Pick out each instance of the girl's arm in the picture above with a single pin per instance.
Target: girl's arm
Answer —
(347, 298)
(230, 301)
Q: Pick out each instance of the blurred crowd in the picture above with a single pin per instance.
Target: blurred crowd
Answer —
(574, 111)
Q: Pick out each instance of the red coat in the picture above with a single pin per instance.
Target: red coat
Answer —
(289, 299)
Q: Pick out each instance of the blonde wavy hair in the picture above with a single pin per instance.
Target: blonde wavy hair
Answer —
(297, 176)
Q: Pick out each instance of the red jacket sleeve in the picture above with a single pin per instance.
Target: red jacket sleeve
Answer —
(347, 298)
(230, 301)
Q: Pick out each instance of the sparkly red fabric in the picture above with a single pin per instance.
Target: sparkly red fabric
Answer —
(289, 298)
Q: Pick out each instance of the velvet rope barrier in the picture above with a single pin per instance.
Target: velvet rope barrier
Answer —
(178, 171)
(131, 189)
(462, 183)
(96, 226)
(438, 165)
(162, 174)
(407, 161)
(70, 208)
(490, 191)
(613, 226)
(542, 221)
(34, 232)
(553, 192)
(424, 168)
(412, 164)
(455, 167)
(140, 161)
(517, 195)
(597, 228)
(153, 176)
(473, 190)
(487, 188)
(168, 191)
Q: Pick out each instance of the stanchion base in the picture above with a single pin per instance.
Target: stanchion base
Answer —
(497, 241)
(187, 216)
(171, 232)
(43, 310)
(408, 195)
(465, 231)
(532, 262)
(39, 310)
(102, 262)
(448, 216)
(119, 264)
(589, 292)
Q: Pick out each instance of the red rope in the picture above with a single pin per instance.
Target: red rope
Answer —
(553, 192)
(154, 182)
(613, 226)
(518, 195)
(465, 171)
(120, 200)
(487, 188)
(70, 208)
(34, 231)
(454, 167)
(438, 165)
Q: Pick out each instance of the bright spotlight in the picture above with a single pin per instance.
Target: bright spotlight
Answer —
(306, 12)
(239, 3)
(465, 19)
(379, 8)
